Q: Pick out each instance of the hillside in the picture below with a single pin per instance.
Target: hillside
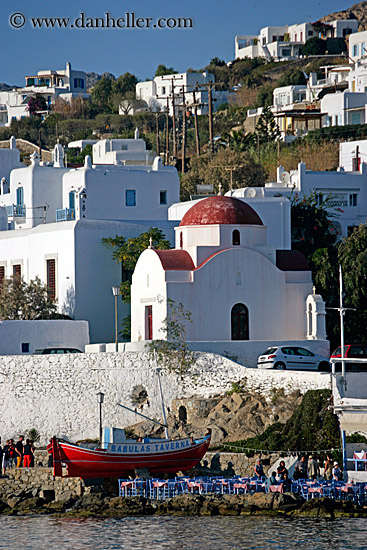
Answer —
(357, 11)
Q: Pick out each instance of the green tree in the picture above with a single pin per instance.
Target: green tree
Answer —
(311, 225)
(162, 70)
(266, 128)
(127, 252)
(173, 352)
(314, 46)
(216, 169)
(102, 91)
(351, 254)
(19, 300)
(125, 83)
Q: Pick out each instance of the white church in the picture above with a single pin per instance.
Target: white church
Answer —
(243, 293)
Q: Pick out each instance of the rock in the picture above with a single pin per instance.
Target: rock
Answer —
(30, 504)
(66, 495)
(319, 508)
(13, 501)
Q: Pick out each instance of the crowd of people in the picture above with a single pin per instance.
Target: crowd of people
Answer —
(16, 455)
(306, 468)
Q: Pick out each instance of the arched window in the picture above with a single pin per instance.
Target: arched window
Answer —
(309, 320)
(239, 322)
(236, 239)
(181, 240)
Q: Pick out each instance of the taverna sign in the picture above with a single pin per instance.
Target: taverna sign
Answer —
(147, 448)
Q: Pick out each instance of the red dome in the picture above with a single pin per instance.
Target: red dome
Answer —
(221, 210)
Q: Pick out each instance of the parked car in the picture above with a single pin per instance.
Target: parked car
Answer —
(357, 351)
(351, 351)
(46, 351)
(292, 357)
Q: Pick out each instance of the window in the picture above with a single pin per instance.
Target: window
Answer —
(149, 322)
(304, 352)
(25, 347)
(181, 240)
(124, 147)
(51, 278)
(17, 271)
(2, 274)
(363, 49)
(163, 90)
(355, 49)
(72, 200)
(353, 199)
(20, 196)
(78, 83)
(309, 320)
(286, 52)
(239, 322)
(310, 33)
(236, 238)
(162, 197)
(130, 197)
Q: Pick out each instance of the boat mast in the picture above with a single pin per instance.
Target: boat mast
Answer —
(161, 392)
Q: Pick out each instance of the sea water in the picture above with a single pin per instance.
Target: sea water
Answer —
(161, 533)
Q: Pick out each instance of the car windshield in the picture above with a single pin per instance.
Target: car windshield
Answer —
(269, 351)
(338, 350)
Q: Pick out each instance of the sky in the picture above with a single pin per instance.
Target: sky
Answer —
(26, 50)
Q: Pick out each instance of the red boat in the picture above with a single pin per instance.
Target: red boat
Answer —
(119, 459)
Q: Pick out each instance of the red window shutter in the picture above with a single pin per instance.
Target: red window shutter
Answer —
(51, 278)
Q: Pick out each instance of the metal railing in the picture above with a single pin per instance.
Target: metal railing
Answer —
(16, 211)
(65, 214)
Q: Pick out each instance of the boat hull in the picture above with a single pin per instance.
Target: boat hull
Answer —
(89, 463)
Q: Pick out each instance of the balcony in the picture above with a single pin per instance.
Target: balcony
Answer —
(16, 211)
(65, 214)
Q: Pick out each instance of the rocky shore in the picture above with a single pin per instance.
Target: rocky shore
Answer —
(100, 505)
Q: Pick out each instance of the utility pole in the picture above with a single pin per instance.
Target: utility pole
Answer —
(210, 107)
(167, 133)
(157, 134)
(183, 130)
(197, 138)
(231, 169)
(172, 80)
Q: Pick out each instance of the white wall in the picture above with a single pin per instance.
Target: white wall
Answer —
(273, 211)
(42, 334)
(66, 388)
(85, 271)
(106, 188)
(236, 275)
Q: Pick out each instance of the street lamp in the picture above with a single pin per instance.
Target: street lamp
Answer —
(100, 398)
(116, 292)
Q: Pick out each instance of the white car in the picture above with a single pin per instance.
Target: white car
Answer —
(292, 357)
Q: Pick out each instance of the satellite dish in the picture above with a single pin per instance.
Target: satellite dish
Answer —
(250, 193)
(285, 177)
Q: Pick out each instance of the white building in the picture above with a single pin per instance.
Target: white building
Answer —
(285, 42)
(157, 93)
(58, 216)
(65, 84)
(346, 189)
(220, 271)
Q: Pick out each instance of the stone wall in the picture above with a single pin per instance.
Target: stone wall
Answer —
(58, 394)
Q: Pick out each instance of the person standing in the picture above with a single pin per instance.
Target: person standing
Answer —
(328, 468)
(337, 473)
(19, 449)
(259, 470)
(313, 468)
(12, 454)
(6, 456)
(28, 454)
